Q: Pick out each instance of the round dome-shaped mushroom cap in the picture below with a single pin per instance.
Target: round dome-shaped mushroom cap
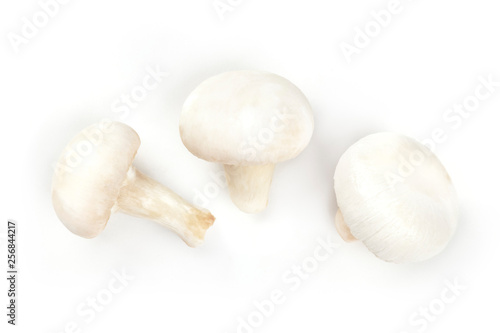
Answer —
(396, 197)
(246, 118)
(90, 172)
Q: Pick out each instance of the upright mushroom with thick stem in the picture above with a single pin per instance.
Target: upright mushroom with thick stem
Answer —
(248, 121)
(396, 197)
(85, 194)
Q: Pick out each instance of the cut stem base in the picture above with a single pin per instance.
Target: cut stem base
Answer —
(144, 197)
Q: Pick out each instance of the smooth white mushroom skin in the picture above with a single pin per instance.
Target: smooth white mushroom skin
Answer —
(144, 197)
(87, 188)
(396, 197)
(342, 228)
(247, 119)
(87, 182)
(249, 185)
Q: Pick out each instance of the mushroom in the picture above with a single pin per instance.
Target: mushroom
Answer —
(248, 121)
(396, 197)
(95, 178)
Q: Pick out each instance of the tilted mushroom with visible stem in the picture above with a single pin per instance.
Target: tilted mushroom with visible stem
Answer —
(396, 197)
(104, 181)
(248, 121)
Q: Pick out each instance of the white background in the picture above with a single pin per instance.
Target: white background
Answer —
(69, 75)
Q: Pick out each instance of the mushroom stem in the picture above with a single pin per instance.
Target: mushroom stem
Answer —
(144, 197)
(342, 228)
(249, 185)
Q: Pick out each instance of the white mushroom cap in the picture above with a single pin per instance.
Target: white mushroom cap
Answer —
(85, 191)
(396, 197)
(224, 113)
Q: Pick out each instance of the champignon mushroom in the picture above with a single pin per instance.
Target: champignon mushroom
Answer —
(102, 180)
(396, 197)
(248, 121)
